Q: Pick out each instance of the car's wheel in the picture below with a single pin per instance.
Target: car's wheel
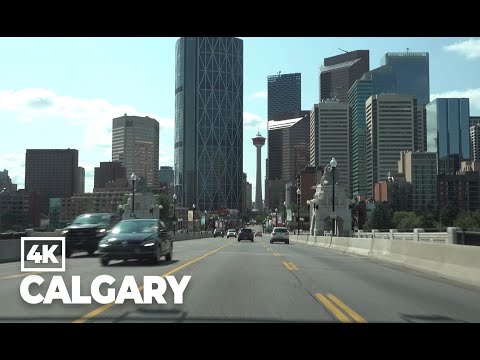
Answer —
(104, 260)
(91, 251)
(169, 256)
(287, 242)
(271, 241)
(238, 240)
(68, 253)
(252, 240)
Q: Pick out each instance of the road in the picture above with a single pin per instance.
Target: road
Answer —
(244, 281)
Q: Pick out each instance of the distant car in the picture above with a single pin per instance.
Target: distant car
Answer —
(231, 232)
(141, 239)
(280, 234)
(258, 233)
(245, 234)
(86, 231)
(217, 232)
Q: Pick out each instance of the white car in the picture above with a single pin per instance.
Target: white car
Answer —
(231, 232)
(280, 234)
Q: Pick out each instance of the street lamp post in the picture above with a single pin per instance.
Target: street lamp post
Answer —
(133, 177)
(298, 210)
(160, 207)
(174, 217)
(284, 212)
(333, 165)
(205, 220)
(309, 216)
(276, 216)
(121, 210)
(193, 218)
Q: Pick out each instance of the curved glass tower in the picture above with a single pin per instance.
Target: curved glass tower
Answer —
(209, 122)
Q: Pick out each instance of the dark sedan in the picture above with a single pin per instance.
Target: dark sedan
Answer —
(141, 239)
(245, 234)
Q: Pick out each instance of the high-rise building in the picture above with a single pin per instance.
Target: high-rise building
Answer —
(284, 94)
(109, 173)
(375, 82)
(420, 170)
(135, 145)
(334, 137)
(475, 142)
(19, 210)
(52, 173)
(412, 73)
(288, 152)
(390, 121)
(249, 197)
(462, 190)
(314, 161)
(80, 180)
(448, 122)
(339, 72)
(420, 140)
(209, 122)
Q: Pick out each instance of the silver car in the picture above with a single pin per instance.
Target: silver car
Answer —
(280, 234)
(231, 232)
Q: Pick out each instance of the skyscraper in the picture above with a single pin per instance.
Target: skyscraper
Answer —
(375, 82)
(80, 180)
(475, 142)
(339, 72)
(314, 136)
(209, 122)
(165, 175)
(135, 145)
(334, 137)
(284, 94)
(53, 173)
(391, 120)
(448, 121)
(412, 73)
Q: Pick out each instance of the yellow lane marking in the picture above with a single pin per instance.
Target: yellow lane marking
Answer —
(348, 310)
(276, 254)
(337, 313)
(20, 275)
(102, 308)
(287, 265)
(294, 267)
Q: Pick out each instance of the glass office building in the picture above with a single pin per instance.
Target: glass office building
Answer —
(412, 73)
(209, 122)
(284, 94)
(448, 121)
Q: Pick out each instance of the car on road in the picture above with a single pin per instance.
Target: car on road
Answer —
(245, 234)
(140, 239)
(280, 234)
(86, 231)
(231, 233)
(258, 233)
(217, 232)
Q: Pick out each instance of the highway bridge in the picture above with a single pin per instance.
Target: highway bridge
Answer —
(309, 280)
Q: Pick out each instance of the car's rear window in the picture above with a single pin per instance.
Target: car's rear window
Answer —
(246, 230)
(280, 230)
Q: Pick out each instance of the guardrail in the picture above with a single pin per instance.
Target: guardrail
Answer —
(417, 235)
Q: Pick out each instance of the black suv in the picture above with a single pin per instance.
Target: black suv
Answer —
(87, 230)
(245, 234)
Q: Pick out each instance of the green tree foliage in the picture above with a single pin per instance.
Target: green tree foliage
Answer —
(380, 218)
(165, 214)
(469, 220)
(448, 215)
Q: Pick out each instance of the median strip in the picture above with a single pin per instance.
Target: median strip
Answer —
(105, 307)
(337, 312)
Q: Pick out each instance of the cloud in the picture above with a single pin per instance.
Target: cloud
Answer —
(259, 95)
(468, 48)
(15, 164)
(253, 121)
(94, 116)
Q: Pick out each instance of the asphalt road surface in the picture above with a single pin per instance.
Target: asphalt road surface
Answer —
(254, 282)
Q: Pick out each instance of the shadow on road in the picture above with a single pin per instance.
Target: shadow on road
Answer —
(141, 263)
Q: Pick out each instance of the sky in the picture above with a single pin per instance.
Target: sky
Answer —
(64, 92)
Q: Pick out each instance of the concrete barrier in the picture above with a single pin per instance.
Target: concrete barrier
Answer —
(450, 261)
(9, 250)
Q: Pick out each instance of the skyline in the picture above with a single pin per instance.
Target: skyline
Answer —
(98, 79)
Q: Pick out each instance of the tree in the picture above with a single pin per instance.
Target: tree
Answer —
(165, 211)
(380, 218)
(468, 220)
(448, 215)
